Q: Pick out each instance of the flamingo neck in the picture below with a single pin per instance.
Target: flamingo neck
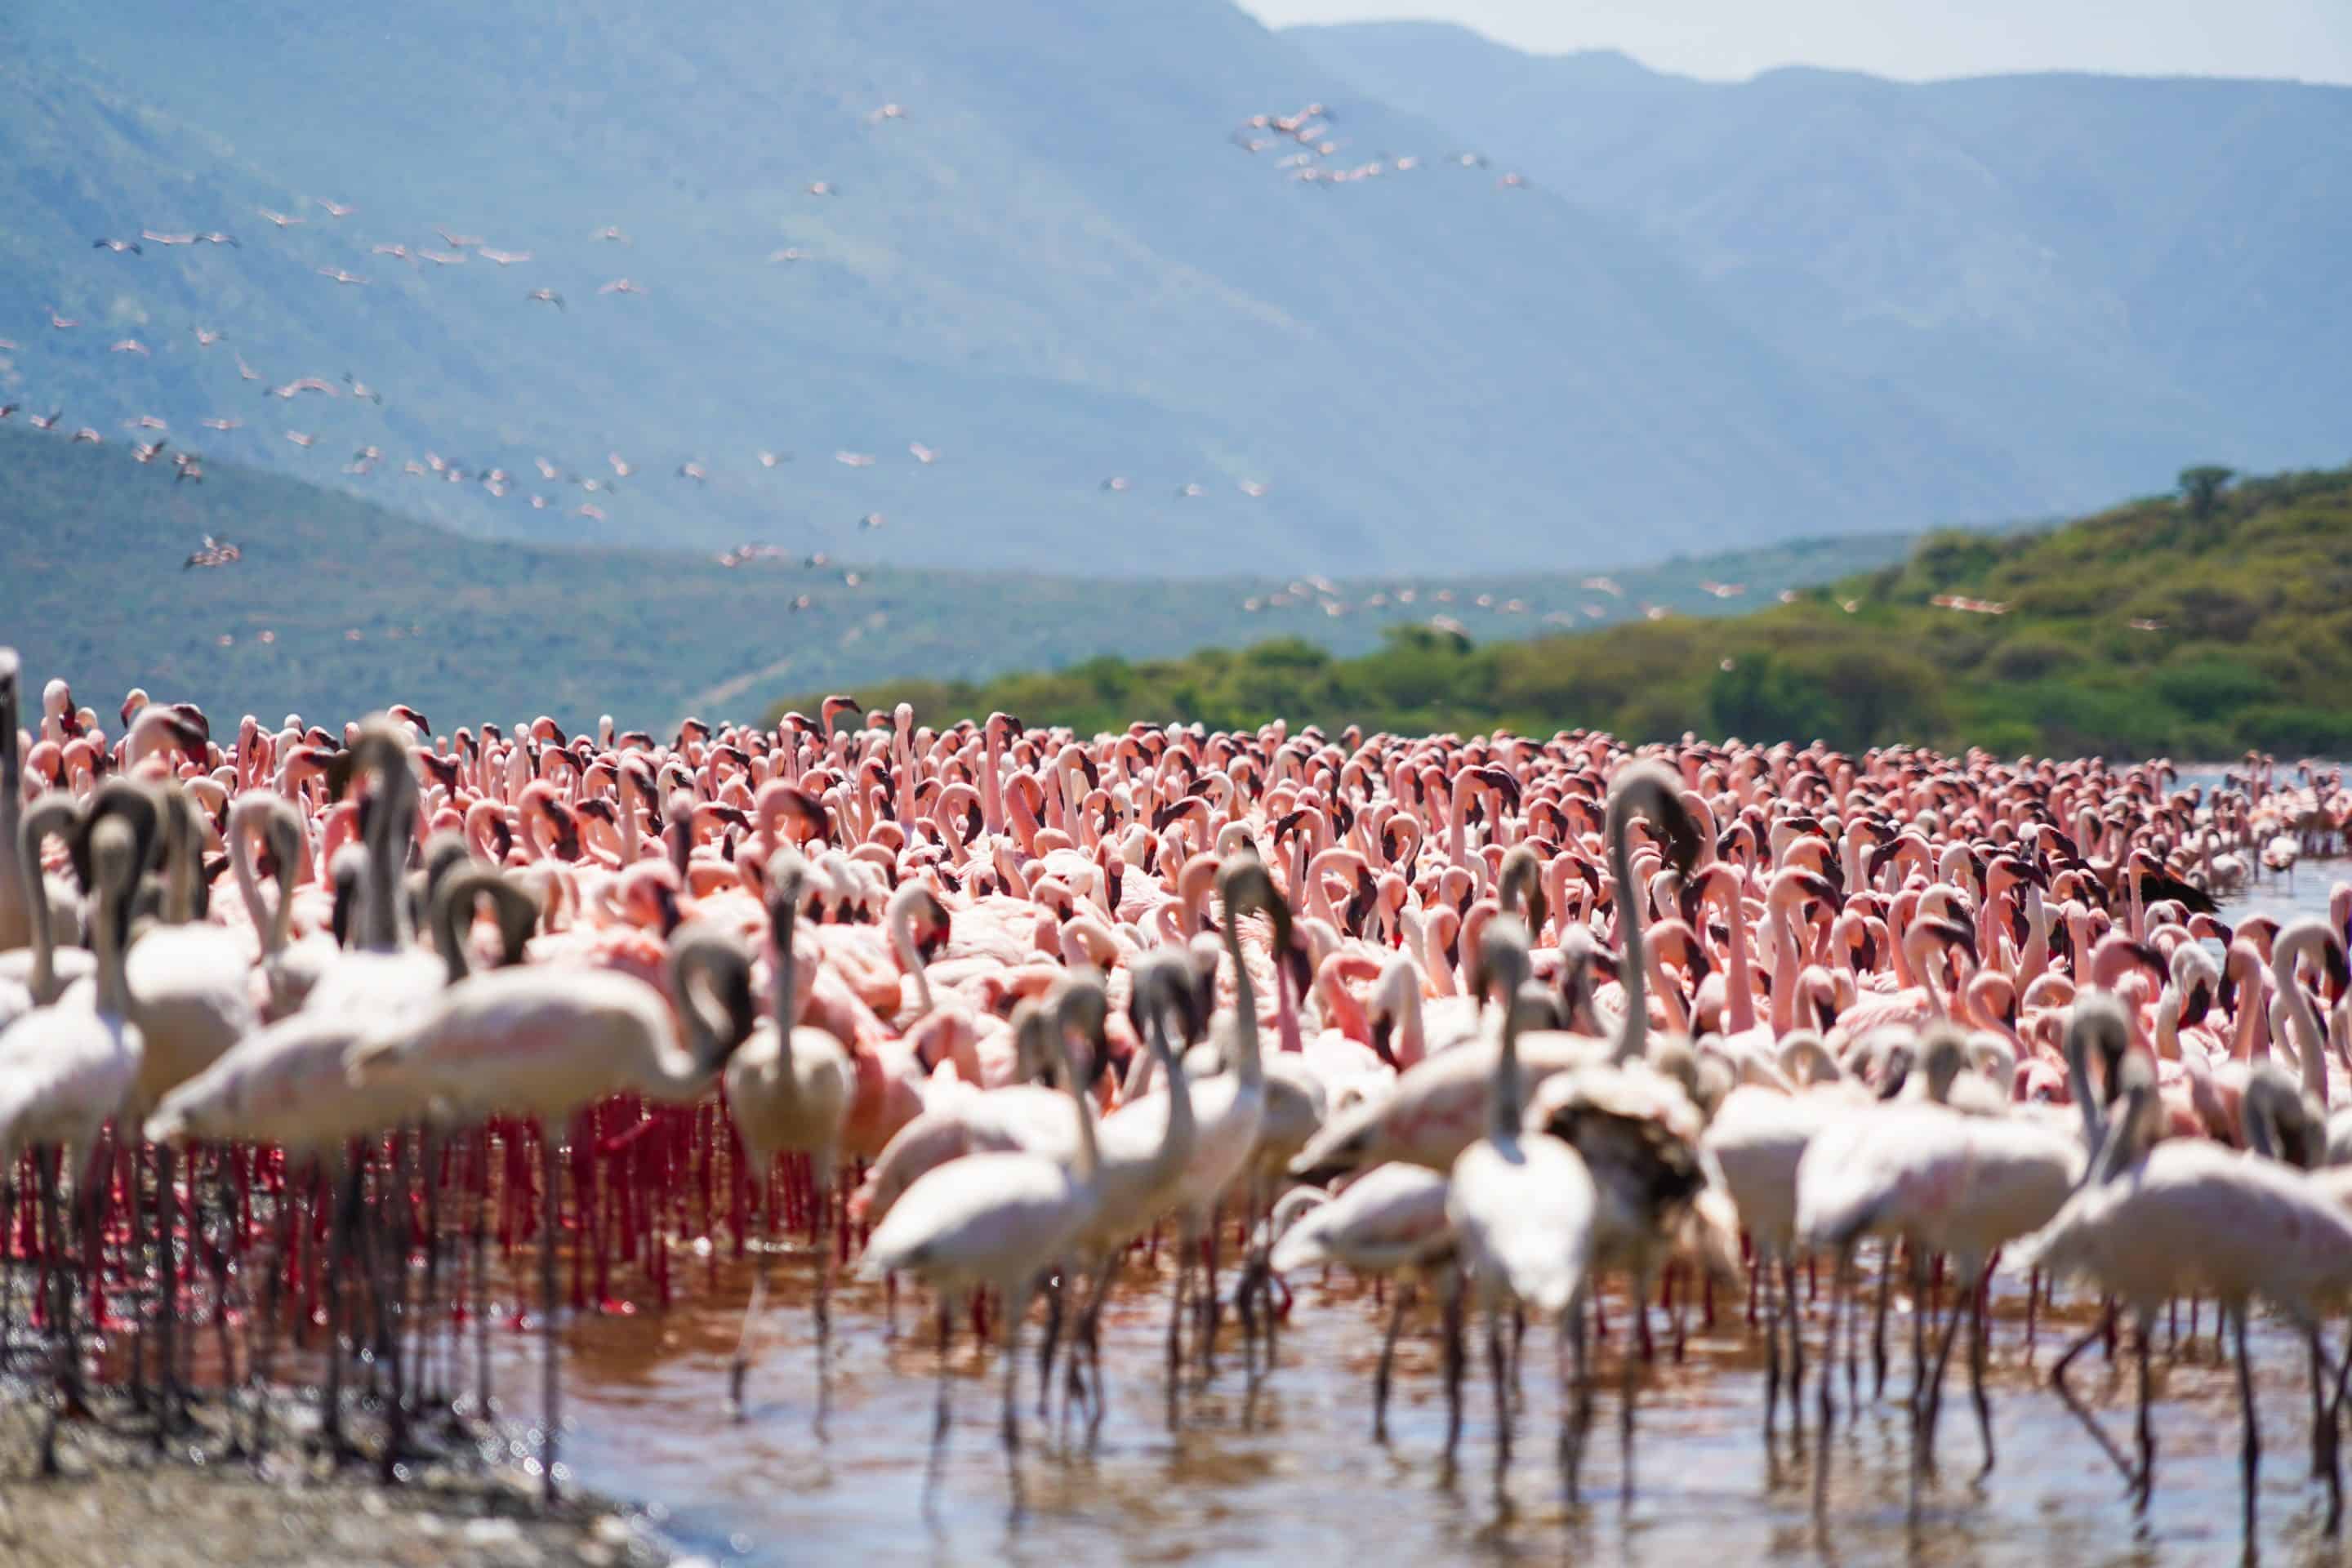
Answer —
(1740, 997)
(1785, 970)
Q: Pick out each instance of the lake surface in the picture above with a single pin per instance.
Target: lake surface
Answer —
(1282, 1470)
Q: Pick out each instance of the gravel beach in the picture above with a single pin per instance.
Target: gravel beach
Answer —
(119, 1503)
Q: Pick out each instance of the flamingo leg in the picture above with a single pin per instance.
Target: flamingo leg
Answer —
(2333, 1473)
(1454, 1359)
(826, 1262)
(218, 1260)
(1497, 1357)
(1057, 1304)
(1016, 1307)
(265, 1362)
(2146, 1425)
(391, 1303)
(1980, 1343)
(1629, 1385)
(2250, 1444)
(2089, 1337)
(745, 1342)
(65, 1353)
(9, 1197)
(551, 1372)
(481, 1278)
(1929, 1406)
(167, 1297)
(1841, 1287)
(1580, 1351)
(1087, 1384)
(339, 1245)
(1792, 1321)
(1211, 1308)
(1878, 1327)
(940, 1417)
(1388, 1362)
(1922, 1309)
(1176, 1322)
(2319, 1433)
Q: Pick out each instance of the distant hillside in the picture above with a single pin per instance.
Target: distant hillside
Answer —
(2164, 626)
(362, 607)
(2093, 276)
(1054, 269)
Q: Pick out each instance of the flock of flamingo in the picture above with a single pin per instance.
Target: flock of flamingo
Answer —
(1307, 128)
(324, 1035)
(150, 431)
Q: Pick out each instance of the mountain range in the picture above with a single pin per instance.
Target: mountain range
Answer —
(1030, 239)
(2093, 275)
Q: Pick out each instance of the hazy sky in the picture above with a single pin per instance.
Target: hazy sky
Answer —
(2311, 39)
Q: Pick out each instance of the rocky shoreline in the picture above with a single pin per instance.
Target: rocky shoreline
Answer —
(119, 1501)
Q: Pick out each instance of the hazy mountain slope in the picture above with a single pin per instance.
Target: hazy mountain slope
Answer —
(1054, 269)
(364, 607)
(2099, 275)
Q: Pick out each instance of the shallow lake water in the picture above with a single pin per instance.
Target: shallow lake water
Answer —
(1282, 1468)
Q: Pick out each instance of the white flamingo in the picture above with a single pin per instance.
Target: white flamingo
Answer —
(43, 970)
(996, 1221)
(289, 968)
(1391, 1220)
(2184, 1216)
(1144, 1150)
(186, 977)
(1950, 1180)
(546, 1040)
(63, 1071)
(1520, 1204)
(789, 1088)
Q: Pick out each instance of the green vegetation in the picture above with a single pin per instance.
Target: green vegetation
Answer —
(2194, 625)
(362, 606)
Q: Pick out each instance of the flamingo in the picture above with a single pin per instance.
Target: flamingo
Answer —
(1521, 1204)
(41, 968)
(997, 1221)
(789, 1088)
(65, 1070)
(1143, 1153)
(2260, 1229)
(543, 1041)
(1390, 1220)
